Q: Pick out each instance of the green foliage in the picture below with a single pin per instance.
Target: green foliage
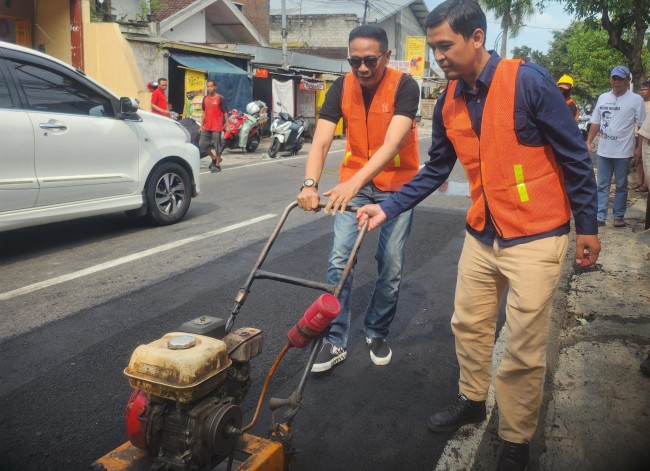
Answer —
(625, 23)
(513, 15)
(143, 11)
(528, 54)
(149, 7)
(583, 52)
(156, 5)
(96, 14)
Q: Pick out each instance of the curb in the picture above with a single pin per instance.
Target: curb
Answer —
(596, 410)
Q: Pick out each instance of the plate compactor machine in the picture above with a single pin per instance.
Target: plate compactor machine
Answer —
(184, 413)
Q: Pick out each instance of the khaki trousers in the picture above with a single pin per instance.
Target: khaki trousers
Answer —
(531, 272)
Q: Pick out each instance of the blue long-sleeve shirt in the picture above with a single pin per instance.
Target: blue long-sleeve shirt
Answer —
(541, 117)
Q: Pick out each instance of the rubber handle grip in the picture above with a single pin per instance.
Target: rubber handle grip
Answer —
(315, 319)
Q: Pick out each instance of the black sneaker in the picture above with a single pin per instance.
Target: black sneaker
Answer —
(214, 168)
(461, 412)
(513, 457)
(328, 356)
(380, 354)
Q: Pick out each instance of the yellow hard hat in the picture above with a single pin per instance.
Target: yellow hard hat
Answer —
(565, 80)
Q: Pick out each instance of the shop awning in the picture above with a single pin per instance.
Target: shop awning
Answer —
(214, 65)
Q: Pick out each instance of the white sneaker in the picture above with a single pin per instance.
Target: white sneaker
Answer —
(380, 353)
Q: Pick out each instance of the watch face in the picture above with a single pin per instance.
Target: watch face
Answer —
(309, 182)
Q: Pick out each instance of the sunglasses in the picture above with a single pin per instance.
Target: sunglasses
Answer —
(370, 61)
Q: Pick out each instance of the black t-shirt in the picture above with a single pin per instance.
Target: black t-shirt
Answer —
(406, 101)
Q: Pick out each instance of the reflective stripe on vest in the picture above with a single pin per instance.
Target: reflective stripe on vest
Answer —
(366, 134)
(522, 185)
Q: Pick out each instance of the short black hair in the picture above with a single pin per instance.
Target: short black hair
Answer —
(214, 82)
(645, 84)
(372, 32)
(161, 79)
(464, 17)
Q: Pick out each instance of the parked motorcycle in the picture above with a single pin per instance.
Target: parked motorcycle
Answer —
(242, 130)
(286, 132)
(584, 120)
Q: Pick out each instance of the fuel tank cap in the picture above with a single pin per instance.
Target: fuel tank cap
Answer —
(182, 342)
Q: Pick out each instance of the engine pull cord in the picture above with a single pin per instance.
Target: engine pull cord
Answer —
(266, 386)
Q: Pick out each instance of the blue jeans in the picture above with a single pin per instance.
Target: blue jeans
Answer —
(606, 168)
(390, 257)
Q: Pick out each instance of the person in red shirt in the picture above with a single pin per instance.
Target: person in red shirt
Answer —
(215, 113)
(159, 100)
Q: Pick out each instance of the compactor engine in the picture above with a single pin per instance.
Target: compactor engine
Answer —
(184, 410)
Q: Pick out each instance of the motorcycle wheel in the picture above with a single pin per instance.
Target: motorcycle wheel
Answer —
(253, 143)
(275, 147)
(298, 146)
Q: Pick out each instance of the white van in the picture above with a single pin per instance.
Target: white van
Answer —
(69, 148)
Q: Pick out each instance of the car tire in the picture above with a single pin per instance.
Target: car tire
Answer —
(169, 193)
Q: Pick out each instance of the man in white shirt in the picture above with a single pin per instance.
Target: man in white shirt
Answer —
(616, 115)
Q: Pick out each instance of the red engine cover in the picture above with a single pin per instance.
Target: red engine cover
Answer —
(136, 425)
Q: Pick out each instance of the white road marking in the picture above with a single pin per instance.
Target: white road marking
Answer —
(264, 162)
(460, 452)
(129, 258)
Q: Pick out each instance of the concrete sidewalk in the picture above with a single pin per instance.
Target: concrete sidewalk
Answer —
(596, 412)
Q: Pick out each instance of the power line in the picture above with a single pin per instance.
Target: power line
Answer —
(529, 26)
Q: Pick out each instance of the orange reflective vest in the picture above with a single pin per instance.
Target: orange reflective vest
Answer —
(569, 102)
(366, 134)
(522, 185)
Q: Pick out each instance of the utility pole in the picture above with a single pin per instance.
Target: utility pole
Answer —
(285, 63)
(365, 11)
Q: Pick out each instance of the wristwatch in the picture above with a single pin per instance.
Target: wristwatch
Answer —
(309, 183)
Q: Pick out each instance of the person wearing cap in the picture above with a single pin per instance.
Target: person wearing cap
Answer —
(565, 84)
(616, 115)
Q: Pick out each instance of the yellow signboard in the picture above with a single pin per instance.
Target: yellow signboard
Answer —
(415, 46)
(194, 91)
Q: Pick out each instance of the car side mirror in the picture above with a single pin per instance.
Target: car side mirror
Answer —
(128, 105)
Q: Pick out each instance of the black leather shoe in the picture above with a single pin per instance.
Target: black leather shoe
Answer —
(461, 412)
(513, 457)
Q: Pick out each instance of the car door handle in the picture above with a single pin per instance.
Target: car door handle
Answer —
(53, 126)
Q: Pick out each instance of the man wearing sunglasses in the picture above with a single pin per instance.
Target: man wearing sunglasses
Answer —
(378, 105)
(528, 169)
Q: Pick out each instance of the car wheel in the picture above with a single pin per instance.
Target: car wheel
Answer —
(275, 147)
(169, 193)
(253, 143)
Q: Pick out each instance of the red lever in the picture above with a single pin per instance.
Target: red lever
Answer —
(315, 319)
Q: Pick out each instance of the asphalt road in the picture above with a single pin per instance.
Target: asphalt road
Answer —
(111, 283)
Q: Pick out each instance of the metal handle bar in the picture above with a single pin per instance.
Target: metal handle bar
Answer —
(257, 273)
